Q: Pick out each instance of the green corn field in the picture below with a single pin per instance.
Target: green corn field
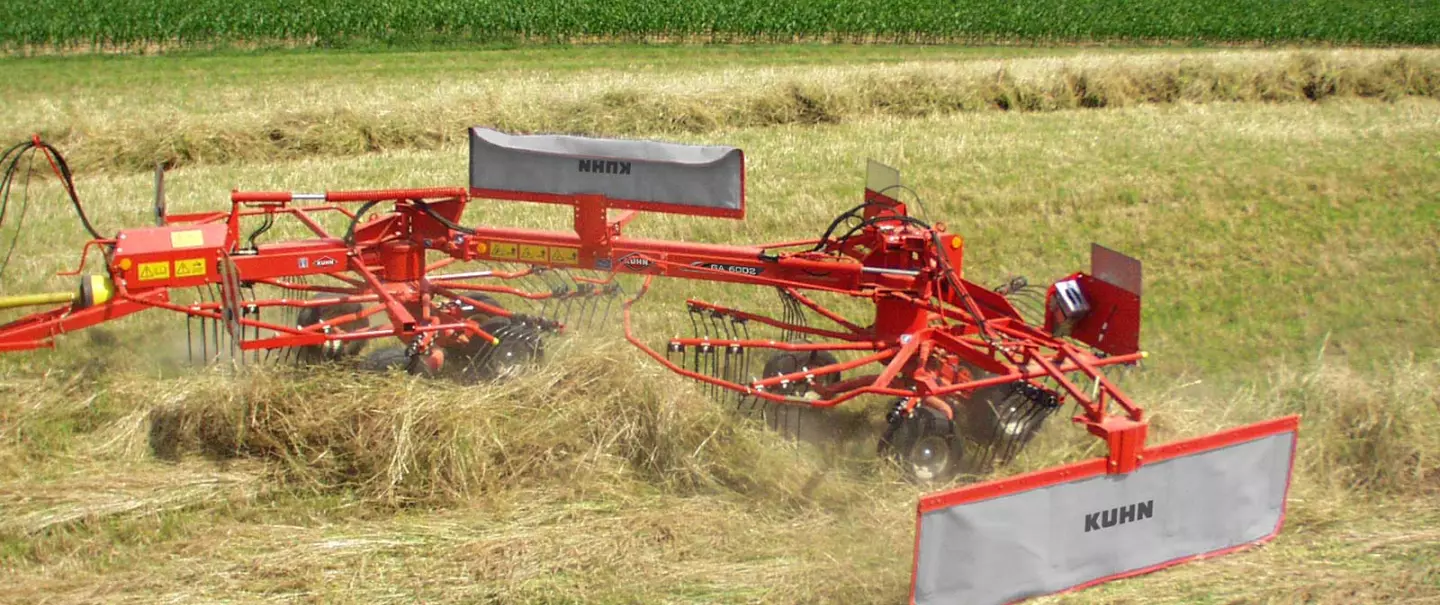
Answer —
(124, 24)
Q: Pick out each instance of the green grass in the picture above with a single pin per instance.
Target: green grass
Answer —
(1289, 249)
(131, 24)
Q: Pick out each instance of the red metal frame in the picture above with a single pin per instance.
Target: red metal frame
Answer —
(934, 338)
(928, 320)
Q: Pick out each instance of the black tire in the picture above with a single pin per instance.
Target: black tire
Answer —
(386, 359)
(396, 358)
(797, 421)
(925, 446)
(519, 348)
(789, 362)
(479, 316)
(331, 351)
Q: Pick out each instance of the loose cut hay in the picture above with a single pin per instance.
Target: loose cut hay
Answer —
(634, 106)
(593, 421)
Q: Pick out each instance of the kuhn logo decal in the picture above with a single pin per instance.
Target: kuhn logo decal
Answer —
(324, 261)
(605, 167)
(1119, 515)
(635, 262)
(736, 269)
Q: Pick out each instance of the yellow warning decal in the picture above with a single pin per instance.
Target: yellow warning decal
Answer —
(534, 254)
(154, 271)
(192, 238)
(504, 250)
(565, 256)
(189, 267)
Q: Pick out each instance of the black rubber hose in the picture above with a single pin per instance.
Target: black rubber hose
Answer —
(838, 219)
(424, 207)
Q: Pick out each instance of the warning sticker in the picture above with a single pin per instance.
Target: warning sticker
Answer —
(192, 238)
(565, 256)
(534, 254)
(189, 267)
(153, 271)
(504, 250)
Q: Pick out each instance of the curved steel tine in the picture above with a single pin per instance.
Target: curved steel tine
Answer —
(189, 339)
(545, 302)
(596, 291)
(573, 291)
(713, 318)
(248, 305)
(695, 332)
(614, 290)
(561, 293)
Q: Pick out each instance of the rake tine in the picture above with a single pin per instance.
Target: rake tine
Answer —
(744, 329)
(544, 305)
(1004, 422)
(189, 339)
(237, 329)
(733, 351)
(671, 349)
(995, 448)
(695, 331)
(529, 283)
(800, 423)
(600, 291)
(252, 309)
(229, 306)
(215, 327)
(204, 341)
(542, 284)
(714, 370)
(581, 319)
(611, 291)
(576, 293)
(561, 293)
(720, 333)
(568, 298)
(502, 333)
(596, 291)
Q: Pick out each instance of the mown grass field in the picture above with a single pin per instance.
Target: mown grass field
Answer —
(132, 24)
(1290, 246)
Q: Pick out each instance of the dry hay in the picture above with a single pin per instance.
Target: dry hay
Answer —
(596, 419)
(628, 105)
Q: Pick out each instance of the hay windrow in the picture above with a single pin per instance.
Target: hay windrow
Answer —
(591, 422)
(597, 421)
(631, 107)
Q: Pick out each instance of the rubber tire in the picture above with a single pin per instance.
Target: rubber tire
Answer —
(386, 359)
(789, 362)
(395, 358)
(480, 317)
(925, 434)
(310, 316)
(487, 362)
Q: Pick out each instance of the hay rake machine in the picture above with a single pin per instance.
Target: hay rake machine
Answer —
(971, 372)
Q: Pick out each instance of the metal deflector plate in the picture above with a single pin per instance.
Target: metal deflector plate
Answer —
(1076, 526)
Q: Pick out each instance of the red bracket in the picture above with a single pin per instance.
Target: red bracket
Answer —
(1126, 439)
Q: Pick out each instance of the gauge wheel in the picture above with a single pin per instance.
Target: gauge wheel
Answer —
(925, 446)
(332, 350)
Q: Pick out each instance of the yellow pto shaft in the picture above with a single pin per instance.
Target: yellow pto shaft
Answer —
(94, 290)
(31, 300)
